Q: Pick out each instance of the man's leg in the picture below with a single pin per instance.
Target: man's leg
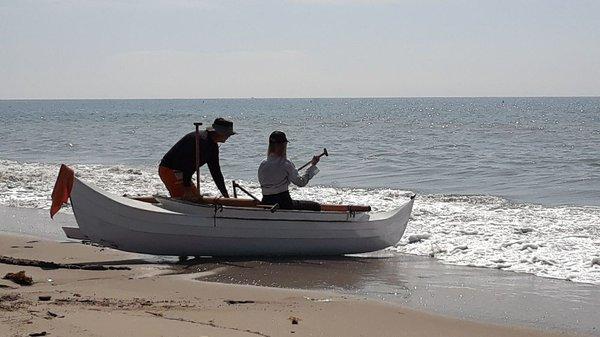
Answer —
(173, 181)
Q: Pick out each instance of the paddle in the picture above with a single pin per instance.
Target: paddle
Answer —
(198, 157)
(325, 153)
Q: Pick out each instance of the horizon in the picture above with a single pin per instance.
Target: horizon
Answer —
(185, 49)
(284, 98)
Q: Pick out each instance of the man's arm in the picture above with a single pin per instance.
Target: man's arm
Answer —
(215, 172)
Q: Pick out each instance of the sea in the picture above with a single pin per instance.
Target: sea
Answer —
(501, 183)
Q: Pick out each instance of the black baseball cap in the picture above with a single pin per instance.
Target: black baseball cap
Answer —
(277, 137)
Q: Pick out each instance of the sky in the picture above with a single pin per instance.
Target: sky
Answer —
(298, 48)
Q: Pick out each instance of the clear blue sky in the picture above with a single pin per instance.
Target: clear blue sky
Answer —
(301, 48)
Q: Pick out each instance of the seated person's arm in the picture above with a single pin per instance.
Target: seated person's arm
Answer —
(296, 178)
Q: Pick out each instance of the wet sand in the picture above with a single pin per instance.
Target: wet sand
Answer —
(149, 300)
(424, 284)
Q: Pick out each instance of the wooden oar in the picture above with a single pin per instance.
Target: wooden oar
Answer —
(325, 153)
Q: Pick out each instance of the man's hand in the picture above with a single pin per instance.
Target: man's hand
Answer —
(315, 160)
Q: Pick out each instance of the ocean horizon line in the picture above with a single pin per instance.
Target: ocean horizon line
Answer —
(282, 98)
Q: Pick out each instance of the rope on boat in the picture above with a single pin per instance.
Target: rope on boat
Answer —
(218, 208)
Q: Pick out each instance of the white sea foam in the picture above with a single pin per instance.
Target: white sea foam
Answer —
(30, 185)
(485, 231)
(559, 242)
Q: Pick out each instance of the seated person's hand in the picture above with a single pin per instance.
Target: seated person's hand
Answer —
(315, 160)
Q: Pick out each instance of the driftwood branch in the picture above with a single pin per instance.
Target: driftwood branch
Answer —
(54, 265)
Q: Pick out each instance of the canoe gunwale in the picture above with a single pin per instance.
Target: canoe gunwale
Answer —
(253, 209)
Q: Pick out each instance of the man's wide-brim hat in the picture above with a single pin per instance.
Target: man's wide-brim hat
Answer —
(222, 126)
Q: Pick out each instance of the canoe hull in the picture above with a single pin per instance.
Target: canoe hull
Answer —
(136, 226)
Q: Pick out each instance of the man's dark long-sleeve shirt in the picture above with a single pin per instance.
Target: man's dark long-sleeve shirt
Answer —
(182, 157)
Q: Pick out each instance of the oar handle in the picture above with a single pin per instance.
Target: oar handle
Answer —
(325, 153)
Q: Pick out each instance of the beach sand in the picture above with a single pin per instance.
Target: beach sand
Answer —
(150, 300)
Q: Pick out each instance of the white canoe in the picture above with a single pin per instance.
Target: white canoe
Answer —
(178, 228)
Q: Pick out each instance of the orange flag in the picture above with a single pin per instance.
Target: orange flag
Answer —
(62, 188)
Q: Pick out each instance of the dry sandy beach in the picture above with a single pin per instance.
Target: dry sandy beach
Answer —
(149, 300)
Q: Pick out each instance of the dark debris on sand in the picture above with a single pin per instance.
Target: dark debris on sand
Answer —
(53, 265)
(231, 302)
(9, 297)
(36, 334)
(19, 278)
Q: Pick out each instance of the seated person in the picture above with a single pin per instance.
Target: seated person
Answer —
(276, 173)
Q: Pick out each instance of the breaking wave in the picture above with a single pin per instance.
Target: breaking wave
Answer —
(30, 185)
(559, 241)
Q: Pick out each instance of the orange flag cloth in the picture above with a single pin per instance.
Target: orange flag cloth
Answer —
(62, 188)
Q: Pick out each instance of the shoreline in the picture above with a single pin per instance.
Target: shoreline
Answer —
(148, 300)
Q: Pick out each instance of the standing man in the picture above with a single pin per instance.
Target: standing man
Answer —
(179, 164)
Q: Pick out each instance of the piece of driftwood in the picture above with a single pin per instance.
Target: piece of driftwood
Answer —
(54, 265)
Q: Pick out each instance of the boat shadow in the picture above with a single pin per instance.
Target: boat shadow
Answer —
(245, 262)
(345, 272)
(314, 272)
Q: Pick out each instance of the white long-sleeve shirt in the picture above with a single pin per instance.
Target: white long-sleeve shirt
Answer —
(276, 173)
